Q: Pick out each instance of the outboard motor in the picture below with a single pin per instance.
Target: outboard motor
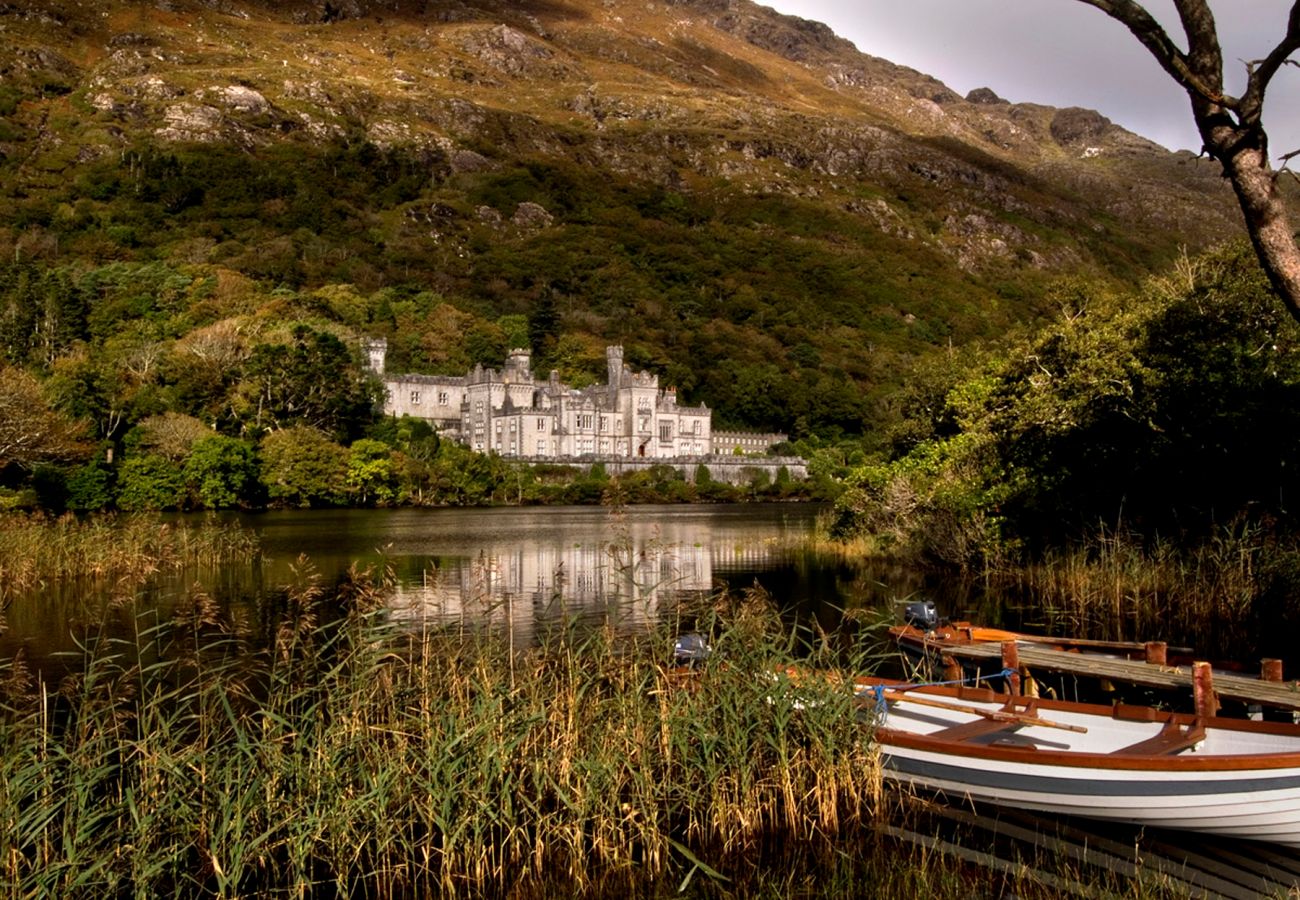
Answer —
(691, 650)
(921, 614)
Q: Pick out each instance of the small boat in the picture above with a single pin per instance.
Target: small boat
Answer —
(1134, 764)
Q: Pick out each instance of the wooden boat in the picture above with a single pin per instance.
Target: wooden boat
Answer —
(1133, 764)
(925, 642)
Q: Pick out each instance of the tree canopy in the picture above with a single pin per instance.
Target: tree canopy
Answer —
(1167, 411)
(31, 432)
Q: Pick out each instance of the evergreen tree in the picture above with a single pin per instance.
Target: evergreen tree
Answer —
(17, 313)
(312, 381)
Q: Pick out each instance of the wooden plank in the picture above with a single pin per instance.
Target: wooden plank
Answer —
(1089, 847)
(1013, 868)
(1117, 646)
(1282, 695)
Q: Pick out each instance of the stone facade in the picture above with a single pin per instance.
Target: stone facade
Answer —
(747, 442)
(514, 414)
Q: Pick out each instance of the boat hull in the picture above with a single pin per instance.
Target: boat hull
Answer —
(1246, 805)
(1123, 764)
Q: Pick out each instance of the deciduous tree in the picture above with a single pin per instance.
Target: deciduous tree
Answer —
(30, 431)
(302, 467)
(220, 472)
(1231, 127)
(149, 482)
(371, 475)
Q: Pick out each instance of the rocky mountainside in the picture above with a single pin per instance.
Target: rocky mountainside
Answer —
(640, 171)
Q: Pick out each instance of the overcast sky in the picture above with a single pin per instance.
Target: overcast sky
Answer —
(1047, 51)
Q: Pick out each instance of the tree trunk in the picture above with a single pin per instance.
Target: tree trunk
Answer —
(1267, 222)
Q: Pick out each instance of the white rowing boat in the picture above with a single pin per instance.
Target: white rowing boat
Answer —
(1123, 763)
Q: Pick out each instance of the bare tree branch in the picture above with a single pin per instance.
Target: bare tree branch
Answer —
(31, 432)
(1231, 128)
(1148, 31)
(1261, 73)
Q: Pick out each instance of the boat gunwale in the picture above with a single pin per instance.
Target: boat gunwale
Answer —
(1080, 759)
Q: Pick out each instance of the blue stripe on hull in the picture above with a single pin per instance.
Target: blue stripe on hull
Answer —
(1088, 784)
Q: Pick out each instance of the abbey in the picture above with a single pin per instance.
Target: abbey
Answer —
(515, 414)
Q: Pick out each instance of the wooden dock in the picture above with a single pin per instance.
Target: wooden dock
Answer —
(1039, 659)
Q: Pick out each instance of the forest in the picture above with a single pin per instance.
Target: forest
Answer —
(1167, 410)
(1009, 411)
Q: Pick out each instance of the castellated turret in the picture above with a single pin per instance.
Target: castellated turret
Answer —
(375, 352)
(614, 365)
(518, 367)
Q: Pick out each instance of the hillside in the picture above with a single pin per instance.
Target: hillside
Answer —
(772, 220)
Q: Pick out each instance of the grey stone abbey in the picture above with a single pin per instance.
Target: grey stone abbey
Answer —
(513, 413)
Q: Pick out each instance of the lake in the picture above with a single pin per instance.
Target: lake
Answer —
(519, 570)
(511, 568)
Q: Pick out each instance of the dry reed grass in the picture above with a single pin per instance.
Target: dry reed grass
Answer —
(36, 550)
(1119, 587)
(347, 757)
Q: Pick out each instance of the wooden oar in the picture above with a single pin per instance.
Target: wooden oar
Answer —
(997, 715)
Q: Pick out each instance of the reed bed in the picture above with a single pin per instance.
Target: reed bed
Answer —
(323, 752)
(36, 550)
(1118, 586)
(337, 755)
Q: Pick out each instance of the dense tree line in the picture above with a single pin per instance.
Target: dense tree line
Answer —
(149, 387)
(1168, 411)
(152, 386)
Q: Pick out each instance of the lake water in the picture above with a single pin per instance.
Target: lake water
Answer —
(517, 568)
(511, 568)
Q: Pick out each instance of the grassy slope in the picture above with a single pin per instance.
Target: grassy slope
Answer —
(808, 222)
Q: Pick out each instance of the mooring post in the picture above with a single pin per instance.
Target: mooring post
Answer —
(1011, 663)
(1157, 653)
(1203, 690)
(1270, 669)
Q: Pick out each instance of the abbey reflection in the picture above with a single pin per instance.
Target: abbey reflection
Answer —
(626, 582)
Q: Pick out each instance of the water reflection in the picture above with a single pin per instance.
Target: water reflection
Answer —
(624, 584)
(523, 569)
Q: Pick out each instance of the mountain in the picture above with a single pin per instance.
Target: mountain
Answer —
(771, 219)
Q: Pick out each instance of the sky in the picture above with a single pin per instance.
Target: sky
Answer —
(1047, 51)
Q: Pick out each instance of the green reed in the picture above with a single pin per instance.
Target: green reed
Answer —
(337, 754)
(36, 550)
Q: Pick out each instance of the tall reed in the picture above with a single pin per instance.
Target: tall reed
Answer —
(1116, 585)
(339, 755)
(37, 550)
